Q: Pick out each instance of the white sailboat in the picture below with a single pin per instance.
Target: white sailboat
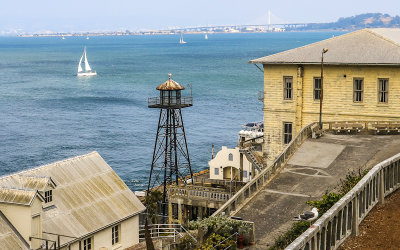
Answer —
(87, 37)
(206, 37)
(181, 41)
(88, 70)
(63, 38)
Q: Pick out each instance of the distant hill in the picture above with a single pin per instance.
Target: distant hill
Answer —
(368, 20)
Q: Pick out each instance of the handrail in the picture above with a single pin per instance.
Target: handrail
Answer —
(343, 219)
(265, 175)
(252, 187)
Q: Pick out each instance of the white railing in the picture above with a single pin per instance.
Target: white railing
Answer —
(199, 192)
(252, 187)
(344, 218)
(164, 231)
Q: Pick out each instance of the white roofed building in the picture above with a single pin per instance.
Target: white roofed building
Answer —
(78, 202)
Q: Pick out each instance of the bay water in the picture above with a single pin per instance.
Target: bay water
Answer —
(48, 114)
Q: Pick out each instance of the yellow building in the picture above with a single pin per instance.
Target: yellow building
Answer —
(361, 81)
(78, 203)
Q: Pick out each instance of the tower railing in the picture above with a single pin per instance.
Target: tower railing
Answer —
(158, 102)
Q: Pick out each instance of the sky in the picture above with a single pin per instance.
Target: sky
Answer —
(134, 15)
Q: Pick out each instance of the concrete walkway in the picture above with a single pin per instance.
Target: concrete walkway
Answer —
(317, 166)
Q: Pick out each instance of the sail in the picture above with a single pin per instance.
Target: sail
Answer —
(87, 66)
(79, 65)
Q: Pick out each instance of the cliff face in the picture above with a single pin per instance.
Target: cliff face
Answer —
(368, 20)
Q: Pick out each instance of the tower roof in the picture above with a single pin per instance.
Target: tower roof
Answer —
(170, 85)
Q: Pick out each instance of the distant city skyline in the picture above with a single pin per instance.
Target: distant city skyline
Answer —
(104, 15)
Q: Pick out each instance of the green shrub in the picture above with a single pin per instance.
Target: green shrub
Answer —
(284, 240)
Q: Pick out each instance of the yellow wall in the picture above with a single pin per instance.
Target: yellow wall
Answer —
(338, 102)
(26, 219)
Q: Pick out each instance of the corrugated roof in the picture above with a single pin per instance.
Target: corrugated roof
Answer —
(27, 182)
(89, 196)
(9, 237)
(170, 85)
(17, 196)
(363, 47)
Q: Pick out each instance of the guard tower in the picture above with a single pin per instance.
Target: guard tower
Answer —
(171, 162)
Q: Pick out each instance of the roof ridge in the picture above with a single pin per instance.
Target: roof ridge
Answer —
(310, 44)
(48, 164)
(382, 37)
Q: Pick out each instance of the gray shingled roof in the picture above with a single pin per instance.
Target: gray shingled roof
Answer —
(89, 196)
(363, 47)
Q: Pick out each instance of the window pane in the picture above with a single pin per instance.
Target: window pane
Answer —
(288, 87)
(383, 90)
(287, 137)
(317, 88)
(216, 171)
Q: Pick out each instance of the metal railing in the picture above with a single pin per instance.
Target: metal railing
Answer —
(344, 218)
(266, 175)
(158, 101)
(165, 231)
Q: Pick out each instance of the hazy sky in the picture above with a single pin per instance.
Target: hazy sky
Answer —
(90, 15)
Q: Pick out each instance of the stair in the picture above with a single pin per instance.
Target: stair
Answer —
(249, 153)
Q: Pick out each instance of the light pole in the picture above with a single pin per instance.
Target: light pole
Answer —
(324, 50)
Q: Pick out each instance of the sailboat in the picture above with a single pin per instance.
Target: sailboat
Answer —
(87, 37)
(88, 71)
(206, 37)
(181, 40)
(63, 38)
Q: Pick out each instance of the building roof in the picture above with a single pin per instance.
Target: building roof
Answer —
(9, 236)
(89, 196)
(170, 85)
(18, 196)
(363, 47)
(39, 183)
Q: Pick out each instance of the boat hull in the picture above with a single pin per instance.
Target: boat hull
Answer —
(86, 74)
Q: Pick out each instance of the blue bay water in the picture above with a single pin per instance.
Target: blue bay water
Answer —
(47, 113)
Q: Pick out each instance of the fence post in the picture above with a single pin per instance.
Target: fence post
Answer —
(381, 187)
(355, 229)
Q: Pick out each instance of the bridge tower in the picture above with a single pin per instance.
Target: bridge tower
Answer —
(171, 161)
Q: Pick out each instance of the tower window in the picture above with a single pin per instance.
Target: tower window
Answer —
(230, 157)
(216, 171)
(383, 90)
(288, 88)
(48, 196)
(287, 132)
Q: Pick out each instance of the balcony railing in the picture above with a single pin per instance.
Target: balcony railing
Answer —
(167, 102)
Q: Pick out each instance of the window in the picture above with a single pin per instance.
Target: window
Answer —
(115, 234)
(358, 89)
(216, 171)
(287, 132)
(383, 90)
(87, 244)
(48, 196)
(244, 174)
(317, 88)
(230, 157)
(288, 88)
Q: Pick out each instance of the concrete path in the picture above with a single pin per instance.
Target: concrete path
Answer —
(317, 166)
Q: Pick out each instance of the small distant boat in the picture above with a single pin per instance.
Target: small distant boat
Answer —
(181, 41)
(206, 37)
(87, 37)
(88, 71)
(63, 37)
